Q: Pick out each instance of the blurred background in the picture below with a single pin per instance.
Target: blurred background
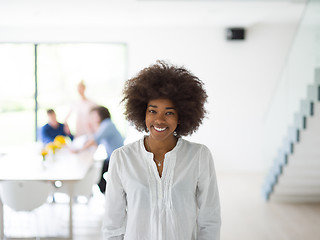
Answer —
(259, 61)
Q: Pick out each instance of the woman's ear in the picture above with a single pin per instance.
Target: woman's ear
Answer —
(145, 126)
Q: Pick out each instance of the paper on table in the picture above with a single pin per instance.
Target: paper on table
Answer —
(78, 142)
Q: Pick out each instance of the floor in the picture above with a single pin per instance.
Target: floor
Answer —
(245, 215)
(52, 220)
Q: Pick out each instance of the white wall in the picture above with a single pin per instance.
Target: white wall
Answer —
(239, 76)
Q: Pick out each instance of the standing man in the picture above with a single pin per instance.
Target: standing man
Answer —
(81, 109)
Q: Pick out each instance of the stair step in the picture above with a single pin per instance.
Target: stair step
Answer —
(304, 164)
(304, 158)
(306, 190)
(305, 173)
(313, 92)
(294, 183)
(294, 198)
(317, 75)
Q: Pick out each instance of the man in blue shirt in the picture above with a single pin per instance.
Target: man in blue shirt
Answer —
(53, 128)
(105, 133)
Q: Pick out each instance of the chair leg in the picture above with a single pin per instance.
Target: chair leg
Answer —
(70, 210)
(37, 226)
(1, 221)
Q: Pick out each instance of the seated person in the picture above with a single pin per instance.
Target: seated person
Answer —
(105, 133)
(53, 128)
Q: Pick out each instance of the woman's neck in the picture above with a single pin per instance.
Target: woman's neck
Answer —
(161, 147)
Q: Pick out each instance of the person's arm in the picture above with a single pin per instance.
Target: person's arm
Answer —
(88, 143)
(66, 130)
(95, 139)
(114, 222)
(209, 219)
(102, 131)
(45, 136)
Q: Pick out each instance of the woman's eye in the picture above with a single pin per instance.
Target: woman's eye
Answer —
(152, 111)
(170, 113)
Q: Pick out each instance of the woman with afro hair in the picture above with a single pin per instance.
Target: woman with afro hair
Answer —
(163, 187)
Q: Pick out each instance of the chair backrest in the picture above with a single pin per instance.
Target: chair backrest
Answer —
(84, 186)
(24, 195)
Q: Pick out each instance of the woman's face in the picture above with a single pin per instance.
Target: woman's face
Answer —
(161, 118)
(95, 120)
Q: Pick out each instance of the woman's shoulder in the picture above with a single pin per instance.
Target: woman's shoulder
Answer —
(128, 148)
(199, 152)
(194, 146)
(126, 154)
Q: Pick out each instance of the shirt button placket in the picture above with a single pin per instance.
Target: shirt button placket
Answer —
(160, 205)
(160, 193)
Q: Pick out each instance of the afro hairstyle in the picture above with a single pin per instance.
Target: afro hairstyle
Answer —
(166, 81)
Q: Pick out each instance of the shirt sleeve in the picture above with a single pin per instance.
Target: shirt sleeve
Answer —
(209, 219)
(102, 132)
(114, 223)
(66, 134)
(45, 136)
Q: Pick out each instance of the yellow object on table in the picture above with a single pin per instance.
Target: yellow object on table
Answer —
(50, 147)
(44, 153)
(59, 141)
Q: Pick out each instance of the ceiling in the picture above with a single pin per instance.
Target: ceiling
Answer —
(23, 13)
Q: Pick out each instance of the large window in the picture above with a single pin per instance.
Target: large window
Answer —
(17, 90)
(59, 68)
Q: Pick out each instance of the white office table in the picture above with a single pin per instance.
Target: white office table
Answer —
(25, 163)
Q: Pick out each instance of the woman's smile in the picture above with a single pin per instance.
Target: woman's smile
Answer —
(159, 129)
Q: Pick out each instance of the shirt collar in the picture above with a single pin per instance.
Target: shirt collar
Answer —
(174, 150)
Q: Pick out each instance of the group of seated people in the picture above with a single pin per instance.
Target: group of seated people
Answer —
(103, 132)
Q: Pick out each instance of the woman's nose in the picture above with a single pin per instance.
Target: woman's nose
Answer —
(160, 118)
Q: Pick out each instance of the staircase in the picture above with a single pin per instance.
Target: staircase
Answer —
(295, 172)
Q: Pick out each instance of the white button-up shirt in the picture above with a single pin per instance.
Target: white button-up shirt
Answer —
(181, 205)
